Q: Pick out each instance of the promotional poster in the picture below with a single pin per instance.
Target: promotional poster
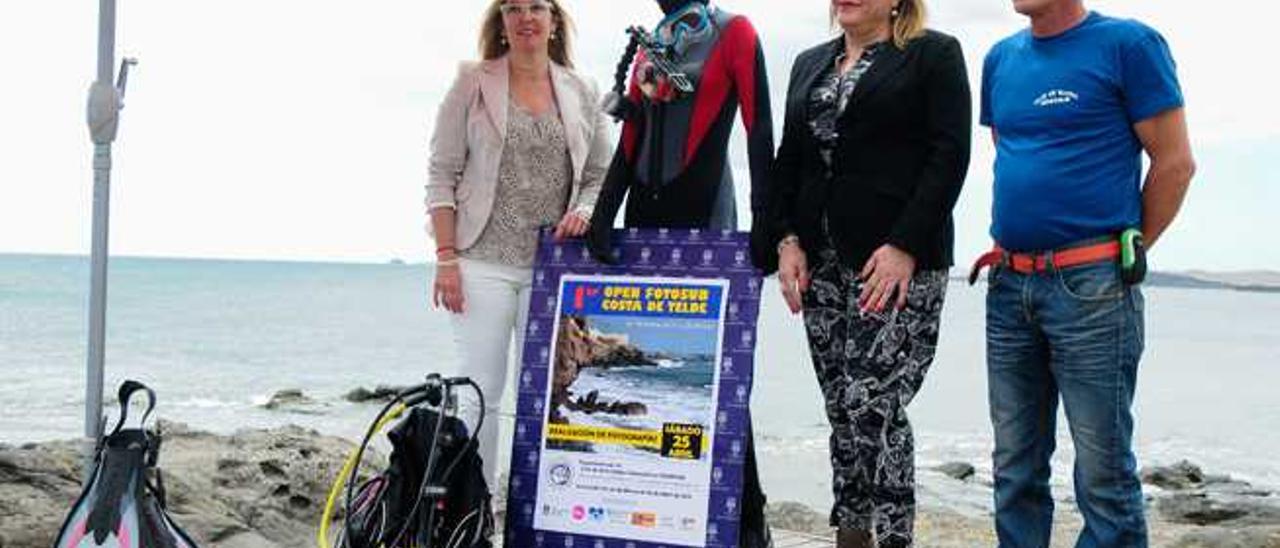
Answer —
(633, 393)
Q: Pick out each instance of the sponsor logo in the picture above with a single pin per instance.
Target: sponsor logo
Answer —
(647, 520)
(597, 514)
(560, 474)
(707, 257)
(676, 255)
(726, 368)
(579, 513)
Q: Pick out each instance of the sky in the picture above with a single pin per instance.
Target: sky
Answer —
(298, 130)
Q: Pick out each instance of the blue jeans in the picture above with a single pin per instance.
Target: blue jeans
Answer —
(1074, 334)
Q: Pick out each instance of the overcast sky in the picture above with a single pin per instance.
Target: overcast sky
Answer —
(293, 129)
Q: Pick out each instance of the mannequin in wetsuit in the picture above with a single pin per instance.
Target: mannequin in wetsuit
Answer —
(673, 156)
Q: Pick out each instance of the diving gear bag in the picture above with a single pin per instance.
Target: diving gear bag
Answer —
(433, 494)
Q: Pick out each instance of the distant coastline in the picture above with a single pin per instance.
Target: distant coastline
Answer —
(1252, 281)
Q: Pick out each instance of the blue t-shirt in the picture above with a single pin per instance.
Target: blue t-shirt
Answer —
(1068, 163)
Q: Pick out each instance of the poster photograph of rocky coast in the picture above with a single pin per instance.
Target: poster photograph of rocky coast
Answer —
(620, 380)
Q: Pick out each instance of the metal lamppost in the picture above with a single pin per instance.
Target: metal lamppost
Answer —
(106, 98)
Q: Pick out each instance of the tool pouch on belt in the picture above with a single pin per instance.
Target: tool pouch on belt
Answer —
(1133, 257)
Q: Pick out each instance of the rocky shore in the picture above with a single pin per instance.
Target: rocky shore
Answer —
(578, 347)
(266, 489)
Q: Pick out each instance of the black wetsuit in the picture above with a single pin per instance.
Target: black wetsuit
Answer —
(673, 156)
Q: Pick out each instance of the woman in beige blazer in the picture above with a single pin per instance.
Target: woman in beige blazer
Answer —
(519, 143)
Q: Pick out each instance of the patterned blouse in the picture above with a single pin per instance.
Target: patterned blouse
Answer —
(830, 96)
(534, 180)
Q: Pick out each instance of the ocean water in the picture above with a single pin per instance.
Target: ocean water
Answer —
(217, 338)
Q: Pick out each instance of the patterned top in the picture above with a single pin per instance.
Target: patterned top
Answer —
(534, 180)
(830, 96)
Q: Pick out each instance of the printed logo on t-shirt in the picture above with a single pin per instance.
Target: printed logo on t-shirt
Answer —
(1056, 97)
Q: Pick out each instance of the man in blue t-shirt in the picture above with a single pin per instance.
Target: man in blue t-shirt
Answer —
(1072, 103)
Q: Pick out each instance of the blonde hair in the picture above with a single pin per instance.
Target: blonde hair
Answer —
(906, 26)
(493, 45)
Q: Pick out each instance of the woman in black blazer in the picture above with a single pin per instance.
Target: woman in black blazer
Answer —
(873, 155)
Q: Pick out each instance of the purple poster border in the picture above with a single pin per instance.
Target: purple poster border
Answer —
(667, 253)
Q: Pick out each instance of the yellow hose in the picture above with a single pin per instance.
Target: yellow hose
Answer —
(322, 538)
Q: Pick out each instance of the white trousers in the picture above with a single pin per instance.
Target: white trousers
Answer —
(495, 307)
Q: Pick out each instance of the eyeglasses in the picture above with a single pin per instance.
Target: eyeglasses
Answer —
(536, 9)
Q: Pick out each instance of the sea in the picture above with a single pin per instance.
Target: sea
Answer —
(217, 338)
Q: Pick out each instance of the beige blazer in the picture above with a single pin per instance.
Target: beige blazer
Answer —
(470, 131)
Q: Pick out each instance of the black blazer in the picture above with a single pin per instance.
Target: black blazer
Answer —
(899, 163)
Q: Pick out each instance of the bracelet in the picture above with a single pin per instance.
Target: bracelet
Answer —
(450, 262)
(790, 239)
(445, 249)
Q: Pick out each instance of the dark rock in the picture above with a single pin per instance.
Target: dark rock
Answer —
(957, 470)
(1234, 488)
(1217, 537)
(794, 516)
(591, 404)
(1204, 509)
(288, 398)
(1196, 509)
(379, 394)
(1179, 476)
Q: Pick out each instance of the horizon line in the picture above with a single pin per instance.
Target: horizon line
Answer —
(399, 261)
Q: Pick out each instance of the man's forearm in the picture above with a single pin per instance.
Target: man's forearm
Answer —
(1163, 193)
